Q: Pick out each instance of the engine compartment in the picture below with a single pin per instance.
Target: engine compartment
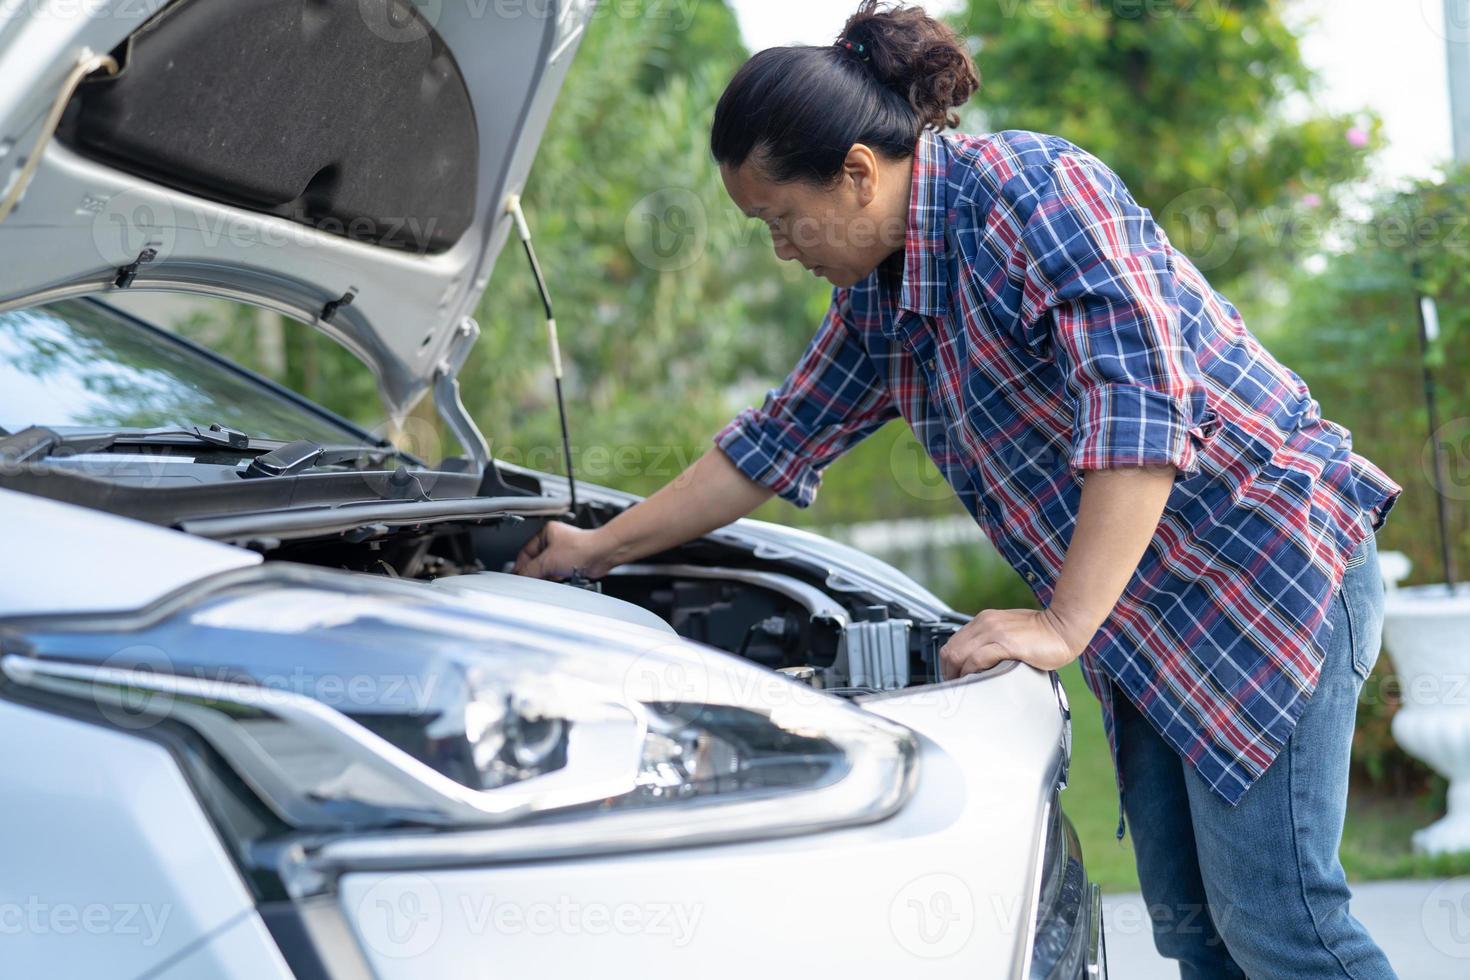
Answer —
(831, 624)
(773, 612)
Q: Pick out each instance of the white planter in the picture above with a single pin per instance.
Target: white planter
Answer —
(1427, 633)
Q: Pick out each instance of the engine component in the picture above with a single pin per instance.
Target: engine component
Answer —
(875, 651)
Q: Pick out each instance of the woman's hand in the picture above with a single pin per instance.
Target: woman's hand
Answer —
(560, 551)
(1039, 638)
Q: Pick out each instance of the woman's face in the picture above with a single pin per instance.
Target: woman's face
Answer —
(840, 233)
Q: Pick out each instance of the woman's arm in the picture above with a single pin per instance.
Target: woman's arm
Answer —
(709, 494)
(1116, 518)
(831, 400)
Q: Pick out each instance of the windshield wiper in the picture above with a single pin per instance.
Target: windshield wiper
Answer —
(32, 442)
(38, 442)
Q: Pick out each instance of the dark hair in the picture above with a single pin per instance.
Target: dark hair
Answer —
(894, 72)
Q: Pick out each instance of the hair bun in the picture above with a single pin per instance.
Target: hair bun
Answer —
(916, 56)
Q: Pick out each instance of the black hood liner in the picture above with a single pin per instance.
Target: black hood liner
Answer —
(350, 116)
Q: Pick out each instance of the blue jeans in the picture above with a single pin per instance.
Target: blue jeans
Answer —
(1257, 890)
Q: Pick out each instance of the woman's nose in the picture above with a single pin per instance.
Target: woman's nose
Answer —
(785, 251)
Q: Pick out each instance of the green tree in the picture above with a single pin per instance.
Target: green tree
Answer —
(1353, 330)
(1203, 107)
(671, 304)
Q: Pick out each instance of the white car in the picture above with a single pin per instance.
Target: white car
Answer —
(270, 705)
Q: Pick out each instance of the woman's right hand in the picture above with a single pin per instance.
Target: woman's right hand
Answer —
(709, 494)
(560, 551)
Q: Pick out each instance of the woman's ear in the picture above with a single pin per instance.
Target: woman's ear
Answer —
(860, 170)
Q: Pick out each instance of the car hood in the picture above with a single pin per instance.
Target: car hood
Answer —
(144, 170)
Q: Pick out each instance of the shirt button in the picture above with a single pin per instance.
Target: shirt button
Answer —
(1031, 576)
(931, 364)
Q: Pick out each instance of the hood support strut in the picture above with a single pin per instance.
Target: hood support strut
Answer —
(513, 208)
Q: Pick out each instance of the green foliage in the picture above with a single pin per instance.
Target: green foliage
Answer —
(1188, 101)
(299, 357)
(668, 299)
(1352, 332)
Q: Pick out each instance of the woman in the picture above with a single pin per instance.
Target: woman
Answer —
(1194, 530)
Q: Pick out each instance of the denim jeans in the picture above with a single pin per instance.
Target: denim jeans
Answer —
(1257, 890)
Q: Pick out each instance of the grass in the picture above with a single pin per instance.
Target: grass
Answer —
(1376, 833)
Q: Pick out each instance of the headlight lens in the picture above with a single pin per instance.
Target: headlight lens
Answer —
(1067, 936)
(500, 725)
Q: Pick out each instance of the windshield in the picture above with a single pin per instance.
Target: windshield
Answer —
(77, 364)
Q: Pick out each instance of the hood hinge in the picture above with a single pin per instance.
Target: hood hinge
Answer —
(447, 398)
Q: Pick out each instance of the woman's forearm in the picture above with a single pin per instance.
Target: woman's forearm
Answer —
(708, 495)
(1117, 518)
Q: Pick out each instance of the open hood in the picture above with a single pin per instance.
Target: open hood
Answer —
(345, 162)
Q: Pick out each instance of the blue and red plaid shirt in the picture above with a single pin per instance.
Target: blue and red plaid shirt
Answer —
(1039, 324)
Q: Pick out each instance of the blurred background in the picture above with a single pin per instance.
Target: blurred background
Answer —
(1299, 151)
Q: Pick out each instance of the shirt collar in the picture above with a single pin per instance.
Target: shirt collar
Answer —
(925, 271)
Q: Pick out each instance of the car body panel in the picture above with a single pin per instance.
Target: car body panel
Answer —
(79, 560)
(941, 888)
(111, 867)
(79, 221)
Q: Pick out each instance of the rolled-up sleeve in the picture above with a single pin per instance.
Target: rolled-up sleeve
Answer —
(831, 400)
(1100, 292)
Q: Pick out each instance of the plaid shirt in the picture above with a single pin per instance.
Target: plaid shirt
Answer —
(1039, 324)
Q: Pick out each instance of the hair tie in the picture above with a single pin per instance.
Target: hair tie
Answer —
(852, 46)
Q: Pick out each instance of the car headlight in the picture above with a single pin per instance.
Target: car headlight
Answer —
(348, 703)
(1067, 942)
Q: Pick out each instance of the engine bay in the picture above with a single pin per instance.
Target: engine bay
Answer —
(765, 611)
(786, 610)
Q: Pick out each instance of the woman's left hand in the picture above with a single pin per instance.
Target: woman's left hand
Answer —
(1037, 637)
